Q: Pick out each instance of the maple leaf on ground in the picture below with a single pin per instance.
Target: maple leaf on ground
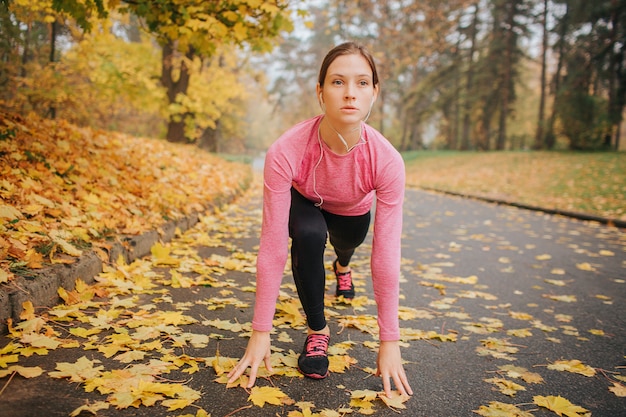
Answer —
(396, 401)
(80, 371)
(416, 334)
(520, 315)
(365, 395)
(521, 333)
(180, 281)
(585, 266)
(597, 332)
(90, 408)
(618, 389)
(562, 298)
(6, 359)
(339, 363)
(28, 311)
(267, 395)
(61, 239)
(364, 323)
(519, 372)
(130, 356)
(221, 364)
(505, 386)
(498, 409)
(557, 282)
(40, 341)
(560, 406)
(183, 399)
(574, 366)
(30, 322)
(408, 313)
(289, 312)
(224, 325)
(363, 400)
(175, 318)
(5, 276)
(161, 256)
(497, 348)
(26, 372)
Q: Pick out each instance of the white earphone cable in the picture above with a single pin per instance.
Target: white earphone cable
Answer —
(319, 141)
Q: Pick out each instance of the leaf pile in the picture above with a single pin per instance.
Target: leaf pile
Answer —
(65, 188)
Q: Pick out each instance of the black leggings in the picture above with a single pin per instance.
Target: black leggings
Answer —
(308, 228)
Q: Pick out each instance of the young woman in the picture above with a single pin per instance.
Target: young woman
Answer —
(320, 180)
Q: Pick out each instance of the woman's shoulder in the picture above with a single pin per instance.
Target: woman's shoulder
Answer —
(293, 142)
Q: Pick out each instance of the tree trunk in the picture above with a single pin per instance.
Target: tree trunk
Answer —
(616, 76)
(404, 142)
(210, 139)
(483, 140)
(539, 134)
(550, 139)
(177, 122)
(469, 83)
(416, 141)
(506, 82)
(381, 107)
(26, 50)
(52, 111)
(453, 141)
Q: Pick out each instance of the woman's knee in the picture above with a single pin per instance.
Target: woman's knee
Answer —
(309, 234)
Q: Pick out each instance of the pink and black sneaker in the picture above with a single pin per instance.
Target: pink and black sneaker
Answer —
(345, 286)
(313, 362)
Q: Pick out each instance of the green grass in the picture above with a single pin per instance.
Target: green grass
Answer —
(592, 183)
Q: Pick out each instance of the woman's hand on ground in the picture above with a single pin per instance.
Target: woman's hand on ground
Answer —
(390, 368)
(258, 351)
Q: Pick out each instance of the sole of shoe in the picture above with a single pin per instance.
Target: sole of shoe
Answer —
(348, 296)
(314, 376)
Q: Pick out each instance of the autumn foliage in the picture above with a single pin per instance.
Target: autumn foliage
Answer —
(64, 189)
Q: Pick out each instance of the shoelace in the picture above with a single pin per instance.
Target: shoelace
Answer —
(344, 280)
(317, 345)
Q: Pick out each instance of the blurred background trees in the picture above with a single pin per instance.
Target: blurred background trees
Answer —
(231, 75)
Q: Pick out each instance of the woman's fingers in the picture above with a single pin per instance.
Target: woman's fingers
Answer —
(237, 371)
(402, 384)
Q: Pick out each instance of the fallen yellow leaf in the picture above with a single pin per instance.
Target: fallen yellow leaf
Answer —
(26, 372)
(266, 395)
(396, 401)
(618, 389)
(574, 366)
(560, 406)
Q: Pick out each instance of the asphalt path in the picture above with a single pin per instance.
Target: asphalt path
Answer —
(541, 288)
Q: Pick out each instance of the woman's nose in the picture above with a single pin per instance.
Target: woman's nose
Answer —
(349, 93)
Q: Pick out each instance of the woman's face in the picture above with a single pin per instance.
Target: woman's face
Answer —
(348, 91)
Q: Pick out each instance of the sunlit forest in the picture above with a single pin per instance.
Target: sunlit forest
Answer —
(229, 76)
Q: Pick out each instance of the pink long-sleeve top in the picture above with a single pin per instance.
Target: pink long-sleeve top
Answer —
(344, 185)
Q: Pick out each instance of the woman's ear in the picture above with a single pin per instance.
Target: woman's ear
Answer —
(320, 98)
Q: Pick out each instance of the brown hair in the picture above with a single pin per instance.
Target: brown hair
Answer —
(347, 48)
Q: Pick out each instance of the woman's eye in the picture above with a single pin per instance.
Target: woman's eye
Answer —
(337, 82)
(363, 83)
